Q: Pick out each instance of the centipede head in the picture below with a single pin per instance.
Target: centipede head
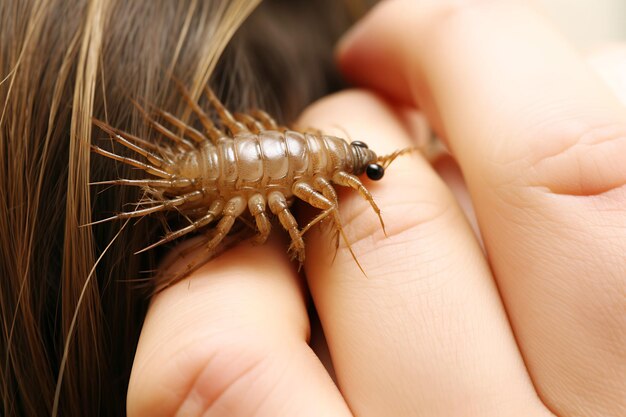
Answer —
(369, 163)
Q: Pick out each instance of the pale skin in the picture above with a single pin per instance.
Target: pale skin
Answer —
(535, 325)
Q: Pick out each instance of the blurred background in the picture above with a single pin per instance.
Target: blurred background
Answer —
(596, 26)
(589, 23)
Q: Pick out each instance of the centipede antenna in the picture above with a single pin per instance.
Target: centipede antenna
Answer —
(386, 160)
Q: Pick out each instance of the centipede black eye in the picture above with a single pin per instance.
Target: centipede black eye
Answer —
(359, 144)
(374, 172)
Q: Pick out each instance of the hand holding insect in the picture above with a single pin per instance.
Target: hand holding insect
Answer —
(540, 142)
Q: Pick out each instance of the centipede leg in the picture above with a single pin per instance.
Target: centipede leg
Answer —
(256, 205)
(230, 211)
(328, 191)
(129, 141)
(214, 211)
(278, 205)
(166, 205)
(180, 141)
(112, 131)
(184, 128)
(348, 180)
(213, 132)
(225, 116)
(170, 275)
(133, 162)
(233, 209)
(308, 194)
(173, 183)
(266, 120)
(252, 124)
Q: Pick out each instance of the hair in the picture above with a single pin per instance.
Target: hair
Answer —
(70, 314)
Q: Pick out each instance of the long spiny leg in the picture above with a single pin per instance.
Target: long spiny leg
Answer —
(256, 205)
(195, 212)
(132, 138)
(133, 162)
(127, 140)
(166, 205)
(214, 211)
(170, 276)
(173, 183)
(252, 124)
(185, 129)
(266, 120)
(308, 194)
(225, 116)
(180, 141)
(321, 216)
(213, 132)
(204, 241)
(278, 206)
(328, 191)
(322, 185)
(326, 188)
(348, 180)
(233, 209)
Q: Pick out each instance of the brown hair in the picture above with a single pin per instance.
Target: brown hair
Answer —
(70, 314)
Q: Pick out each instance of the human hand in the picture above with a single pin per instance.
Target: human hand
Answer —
(537, 326)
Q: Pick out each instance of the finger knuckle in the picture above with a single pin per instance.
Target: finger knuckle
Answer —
(582, 160)
(207, 375)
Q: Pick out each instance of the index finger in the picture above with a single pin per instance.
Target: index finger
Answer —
(501, 84)
(542, 144)
(231, 340)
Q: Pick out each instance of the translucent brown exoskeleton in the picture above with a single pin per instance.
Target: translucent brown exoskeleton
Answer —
(246, 163)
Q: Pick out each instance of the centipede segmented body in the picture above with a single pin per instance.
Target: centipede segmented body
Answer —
(247, 163)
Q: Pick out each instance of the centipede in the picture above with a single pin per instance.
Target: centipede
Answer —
(237, 164)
